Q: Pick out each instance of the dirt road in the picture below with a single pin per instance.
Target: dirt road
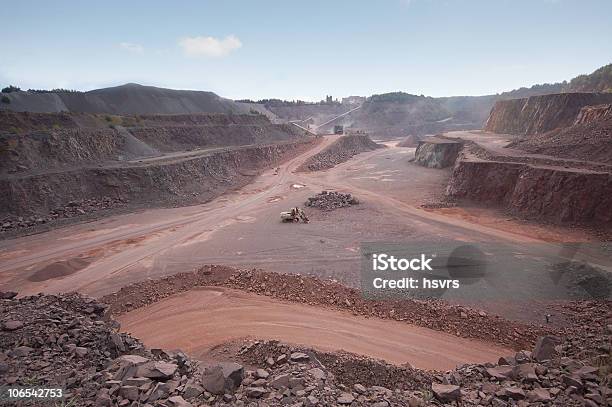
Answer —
(100, 257)
(199, 322)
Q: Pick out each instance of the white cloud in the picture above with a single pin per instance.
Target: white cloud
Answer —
(209, 46)
(135, 48)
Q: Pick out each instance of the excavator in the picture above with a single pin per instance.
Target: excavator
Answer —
(294, 215)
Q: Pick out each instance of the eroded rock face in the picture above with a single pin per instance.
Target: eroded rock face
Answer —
(553, 194)
(201, 177)
(590, 114)
(538, 114)
(437, 152)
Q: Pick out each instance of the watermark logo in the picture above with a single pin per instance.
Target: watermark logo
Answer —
(383, 262)
(483, 271)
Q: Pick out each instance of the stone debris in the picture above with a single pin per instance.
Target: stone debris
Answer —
(70, 341)
(328, 201)
(314, 291)
(70, 210)
(340, 151)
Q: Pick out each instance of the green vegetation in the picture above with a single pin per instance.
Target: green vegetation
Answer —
(5, 99)
(396, 97)
(10, 89)
(113, 120)
(598, 81)
(56, 90)
(279, 102)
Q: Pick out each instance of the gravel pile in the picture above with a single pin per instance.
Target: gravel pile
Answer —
(340, 151)
(58, 341)
(70, 210)
(328, 201)
(553, 374)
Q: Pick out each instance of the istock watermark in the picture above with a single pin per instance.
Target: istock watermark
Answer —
(480, 271)
(386, 262)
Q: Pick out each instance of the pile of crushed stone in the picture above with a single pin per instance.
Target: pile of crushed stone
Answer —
(328, 201)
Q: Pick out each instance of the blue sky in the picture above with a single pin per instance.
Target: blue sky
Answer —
(304, 49)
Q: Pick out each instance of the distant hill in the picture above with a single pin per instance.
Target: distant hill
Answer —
(598, 81)
(395, 114)
(382, 116)
(125, 99)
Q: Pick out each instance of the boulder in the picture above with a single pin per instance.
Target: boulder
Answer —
(538, 395)
(545, 348)
(255, 392)
(280, 382)
(12, 325)
(501, 372)
(514, 393)
(233, 372)
(359, 388)
(178, 401)
(299, 357)
(345, 398)
(262, 374)
(570, 381)
(192, 390)
(223, 378)
(157, 370)
(527, 371)
(129, 392)
(135, 360)
(446, 392)
(317, 373)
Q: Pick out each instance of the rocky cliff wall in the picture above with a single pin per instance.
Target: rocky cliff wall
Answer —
(590, 114)
(188, 137)
(42, 141)
(544, 193)
(157, 184)
(538, 114)
(44, 150)
(437, 152)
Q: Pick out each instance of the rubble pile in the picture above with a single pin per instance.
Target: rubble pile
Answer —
(70, 210)
(328, 201)
(456, 320)
(69, 341)
(549, 375)
(292, 376)
(340, 151)
(57, 341)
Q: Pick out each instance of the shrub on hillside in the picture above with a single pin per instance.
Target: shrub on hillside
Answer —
(10, 89)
